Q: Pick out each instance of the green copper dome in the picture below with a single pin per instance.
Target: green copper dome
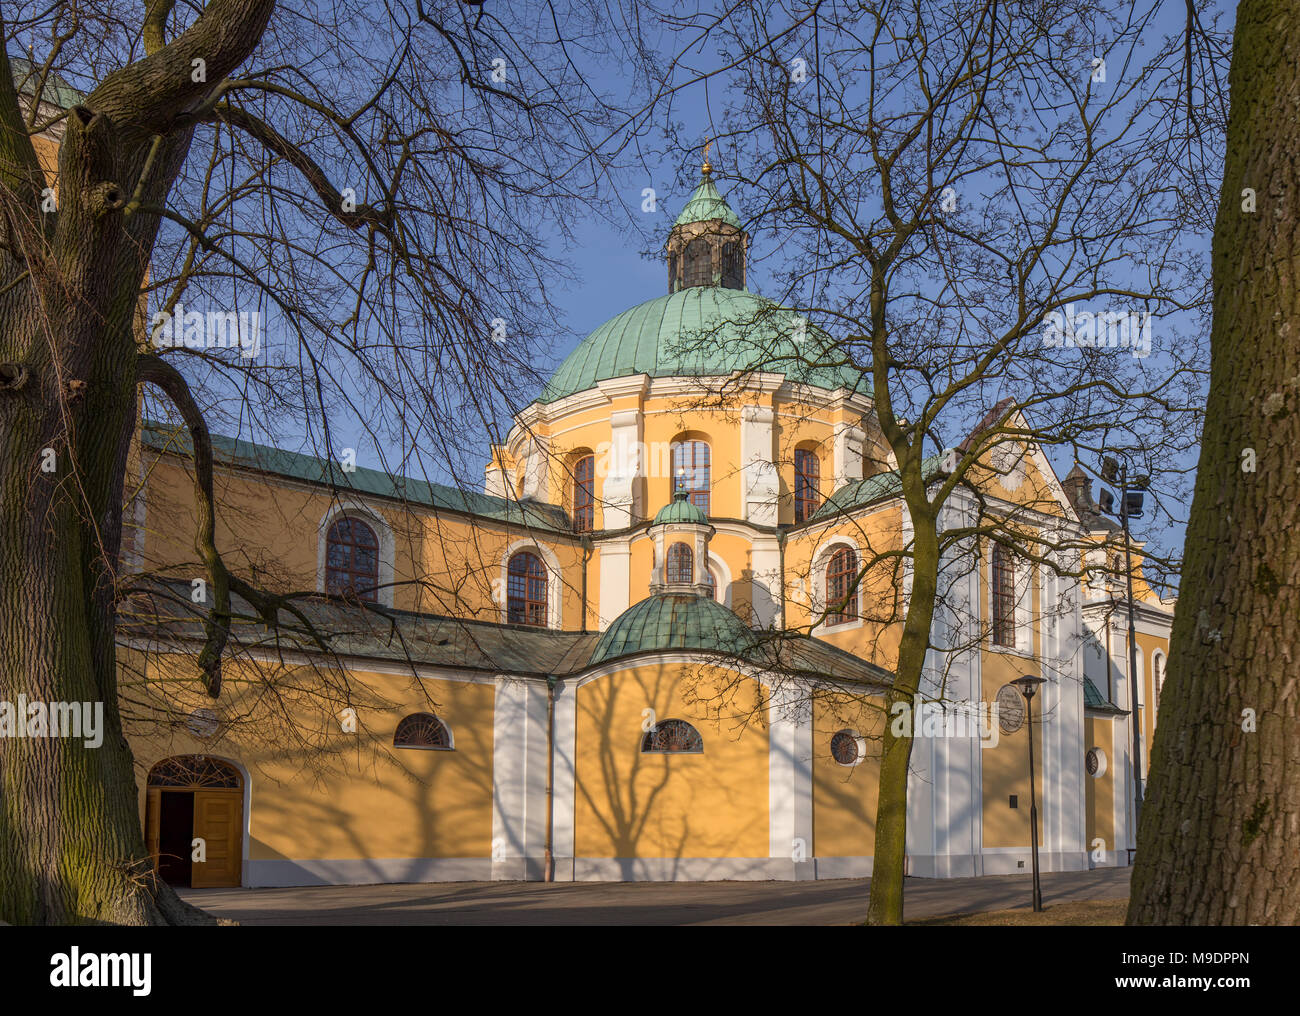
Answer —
(702, 331)
(679, 509)
(707, 204)
(674, 621)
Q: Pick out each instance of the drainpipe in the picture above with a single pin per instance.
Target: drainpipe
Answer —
(587, 547)
(781, 534)
(550, 775)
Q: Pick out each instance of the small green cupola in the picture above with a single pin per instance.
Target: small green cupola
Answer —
(681, 535)
(707, 245)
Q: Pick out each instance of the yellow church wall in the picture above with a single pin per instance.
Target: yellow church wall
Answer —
(1005, 768)
(268, 529)
(1100, 790)
(737, 553)
(634, 805)
(352, 795)
(876, 636)
(844, 797)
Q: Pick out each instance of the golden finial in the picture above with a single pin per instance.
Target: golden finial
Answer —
(707, 168)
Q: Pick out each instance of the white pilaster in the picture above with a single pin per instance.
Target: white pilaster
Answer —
(615, 579)
(619, 505)
(760, 484)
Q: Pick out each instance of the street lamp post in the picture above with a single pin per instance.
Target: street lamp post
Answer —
(1130, 506)
(1028, 685)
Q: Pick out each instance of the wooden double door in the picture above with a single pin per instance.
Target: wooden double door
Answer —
(193, 828)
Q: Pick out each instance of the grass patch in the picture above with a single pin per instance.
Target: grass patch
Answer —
(1077, 912)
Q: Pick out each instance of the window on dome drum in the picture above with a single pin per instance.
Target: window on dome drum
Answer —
(672, 273)
(680, 563)
(526, 590)
(422, 730)
(673, 737)
(807, 481)
(691, 472)
(713, 585)
(699, 263)
(1004, 597)
(352, 560)
(732, 275)
(841, 587)
(584, 501)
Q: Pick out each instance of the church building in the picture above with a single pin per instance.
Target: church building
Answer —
(654, 646)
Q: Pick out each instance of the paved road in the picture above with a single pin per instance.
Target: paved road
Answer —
(839, 901)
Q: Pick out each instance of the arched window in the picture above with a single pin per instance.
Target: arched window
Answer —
(526, 590)
(672, 273)
(733, 276)
(699, 263)
(712, 583)
(1158, 675)
(807, 484)
(841, 587)
(422, 730)
(584, 501)
(352, 560)
(691, 471)
(195, 772)
(1004, 597)
(680, 563)
(671, 737)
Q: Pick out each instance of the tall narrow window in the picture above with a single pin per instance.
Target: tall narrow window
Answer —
(672, 273)
(584, 501)
(841, 587)
(699, 262)
(526, 590)
(732, 275)
(352, 560)
(1004, 597)
(691, 472)
(807, 483)
(680, 563)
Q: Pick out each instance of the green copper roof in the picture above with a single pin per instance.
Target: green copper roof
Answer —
(1093, 699)
(57, 90)
(703, 331)
(707, 204)
(238, 453)
(675, 621)
(679, 509)
(859, 493)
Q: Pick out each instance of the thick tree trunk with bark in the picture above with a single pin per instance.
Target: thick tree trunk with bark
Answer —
(1217, 840)
(71, 846)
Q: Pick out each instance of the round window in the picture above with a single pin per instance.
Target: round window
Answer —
(846, 748)
(1095, 762)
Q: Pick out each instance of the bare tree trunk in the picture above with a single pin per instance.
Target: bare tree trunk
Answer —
(71, 849)
(1217, 839)
(71, 846)
(886, 901)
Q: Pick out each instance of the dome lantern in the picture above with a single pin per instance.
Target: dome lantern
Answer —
(707, 245)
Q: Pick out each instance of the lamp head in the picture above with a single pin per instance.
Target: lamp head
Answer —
(1027, 685)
